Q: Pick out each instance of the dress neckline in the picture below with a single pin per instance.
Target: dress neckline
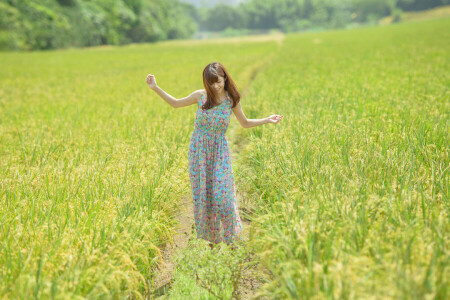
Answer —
(226, 98)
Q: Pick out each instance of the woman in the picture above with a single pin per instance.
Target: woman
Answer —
(210, 171)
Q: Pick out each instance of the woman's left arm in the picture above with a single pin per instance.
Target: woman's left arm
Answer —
(247, 123)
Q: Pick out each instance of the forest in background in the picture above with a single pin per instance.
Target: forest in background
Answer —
(52, 24)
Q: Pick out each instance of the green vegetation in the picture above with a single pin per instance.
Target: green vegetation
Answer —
(350, 192)
(429, 14)
(207, 274)
(94, 164)
(51, 24)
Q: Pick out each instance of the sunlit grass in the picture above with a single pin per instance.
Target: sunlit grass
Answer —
(94, 163)
(413, 16)
(204, 273)
(352, 188)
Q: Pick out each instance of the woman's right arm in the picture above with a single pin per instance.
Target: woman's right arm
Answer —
(151, 81)
(172, 101)
(168, 98)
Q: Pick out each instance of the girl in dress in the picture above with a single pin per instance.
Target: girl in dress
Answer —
(212, 180)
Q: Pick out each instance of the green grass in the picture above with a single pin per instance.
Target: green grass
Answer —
(428, 14)
(94, 163)
(207, 274)
(353, 187)
(350, 189)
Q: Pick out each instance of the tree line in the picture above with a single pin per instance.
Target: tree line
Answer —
(51, 24)
(297, 15)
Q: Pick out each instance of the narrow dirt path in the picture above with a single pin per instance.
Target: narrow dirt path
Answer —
(184, 230)
(249, 281)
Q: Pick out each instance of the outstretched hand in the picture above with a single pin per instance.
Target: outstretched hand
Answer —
(151, 80)
(274, 118)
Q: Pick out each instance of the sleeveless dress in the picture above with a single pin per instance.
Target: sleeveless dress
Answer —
(215, 208)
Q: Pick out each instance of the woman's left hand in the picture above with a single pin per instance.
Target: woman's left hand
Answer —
(274, 118)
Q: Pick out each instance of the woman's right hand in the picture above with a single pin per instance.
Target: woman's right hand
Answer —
(151, 81)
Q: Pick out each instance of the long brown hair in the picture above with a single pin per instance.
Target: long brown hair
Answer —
(211, 75)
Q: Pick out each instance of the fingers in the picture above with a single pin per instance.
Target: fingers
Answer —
(276, 118)
(150, 78)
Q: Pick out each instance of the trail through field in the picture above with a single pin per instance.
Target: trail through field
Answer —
(184, 230)
(247, 284)
(185, 246)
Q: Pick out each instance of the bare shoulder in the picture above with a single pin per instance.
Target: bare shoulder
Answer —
(237, 110)
(199, 93)
(237, 107)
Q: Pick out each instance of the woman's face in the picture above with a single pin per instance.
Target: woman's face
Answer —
(219, 85)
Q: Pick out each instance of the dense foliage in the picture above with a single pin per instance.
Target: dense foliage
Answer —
(49, 24)
(295, 15)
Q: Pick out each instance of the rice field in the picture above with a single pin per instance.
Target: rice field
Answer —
(93, 164)
(349, 192)
(352, 191)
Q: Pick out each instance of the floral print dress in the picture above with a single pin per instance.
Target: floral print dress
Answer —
(215, 209)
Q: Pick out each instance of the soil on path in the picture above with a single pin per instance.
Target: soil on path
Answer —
(248, 282)
(184, 229)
